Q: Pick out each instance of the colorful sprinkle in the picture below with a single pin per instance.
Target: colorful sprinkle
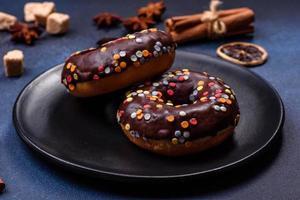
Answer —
(101, 68)
(181, 78)
(203, 99)
(172, 84)
(228, 101)
(122, 53)
(177, 133)
(165, 82)
(182, 113)
(65, 81)
(118, 69)
(138, 40)
(225, 96)
(131, 36)
(192, 97)
(73, 68)
(133, 115)
(75, 76)
(71, 87)
(142, 60)
(145, 53)
(212, 98)
(153, 29)
(127, 127)
(170, 92)
(139, 54)
(69, 65)
(129, 99)
(193, 121)
(139, 111)
(146, 106)
(123, 64)
(174, 140)
(228, 91)
(216, 107)
(221, 100)
(210, 84)
(147, 116)
(199, 88)
(133, 58)
(223, 108)
(69, 78)
(155, 84)
(140, 116)
(218, 91)
(103, 49)
(186, 134)
(158, 43)
(107, 70)
(157, 48)
(170, 118)
(184, 124)
(181, 140)
(218, 95)
(96, 77)
(159, 106)
(201, 83)
(116, 56)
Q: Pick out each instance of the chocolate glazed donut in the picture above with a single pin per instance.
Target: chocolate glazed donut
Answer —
(118, 63)
(180, 113)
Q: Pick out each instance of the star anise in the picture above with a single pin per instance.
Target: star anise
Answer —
(134, 24)
(107, 19)
(25, 33)
(153, 10)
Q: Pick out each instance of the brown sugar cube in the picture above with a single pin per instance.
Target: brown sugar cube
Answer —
(33, 8)
(57, 23)
(2, 185)
(13, 63)
(6, 20)
(29, 9)
(43, 12)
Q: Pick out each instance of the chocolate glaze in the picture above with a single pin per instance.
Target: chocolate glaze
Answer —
(97, 63)
(204, 106)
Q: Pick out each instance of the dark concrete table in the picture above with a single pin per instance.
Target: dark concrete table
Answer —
(275, 175)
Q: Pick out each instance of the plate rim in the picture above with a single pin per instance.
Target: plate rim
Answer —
(105, 173)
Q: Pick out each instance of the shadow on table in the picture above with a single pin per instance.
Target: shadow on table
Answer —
(212, 183)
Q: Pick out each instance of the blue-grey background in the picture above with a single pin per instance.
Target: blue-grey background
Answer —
(276, 175)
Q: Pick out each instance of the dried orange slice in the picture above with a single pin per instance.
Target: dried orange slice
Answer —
(243, 53)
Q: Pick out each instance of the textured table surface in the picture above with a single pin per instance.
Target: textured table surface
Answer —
(275, 175)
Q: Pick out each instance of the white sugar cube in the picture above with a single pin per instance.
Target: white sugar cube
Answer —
(13, 63)
(57, 23)
(6, 20)
(43, 10)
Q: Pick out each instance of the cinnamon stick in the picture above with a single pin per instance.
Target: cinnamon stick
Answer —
(178, 23)
(190, 27)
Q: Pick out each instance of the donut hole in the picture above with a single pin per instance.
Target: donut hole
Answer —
(183, 94)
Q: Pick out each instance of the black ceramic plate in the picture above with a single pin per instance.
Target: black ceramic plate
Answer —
(83, 135)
